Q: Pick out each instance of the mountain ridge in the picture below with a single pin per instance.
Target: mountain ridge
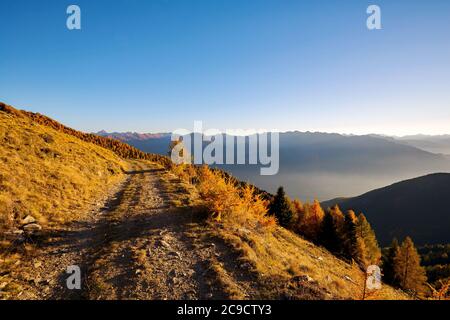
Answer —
(415, 207)
(327, 165)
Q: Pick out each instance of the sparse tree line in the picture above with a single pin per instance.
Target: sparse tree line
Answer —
(351, 237)
(436, 259)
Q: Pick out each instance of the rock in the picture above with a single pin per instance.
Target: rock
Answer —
(175, 254)
(164, 243)
(172, 273)
(320, 258)
(245, 266)
(18, 232)
(349, 279)
(37, 264)
(138, 271)
(3, 285)
(32, 227)
(303, 278)
(28, 220)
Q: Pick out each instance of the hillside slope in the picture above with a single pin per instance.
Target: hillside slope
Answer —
(416, 207)
(149, 235)
(47, 174)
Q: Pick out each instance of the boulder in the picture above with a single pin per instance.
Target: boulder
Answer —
(303, 278)
(32, 227)
(28, 220)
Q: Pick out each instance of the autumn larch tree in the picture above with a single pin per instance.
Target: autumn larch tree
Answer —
(281, 208)
(366, 233)
(310, 221)
(410, 274)
(388, 263)
(354, 246)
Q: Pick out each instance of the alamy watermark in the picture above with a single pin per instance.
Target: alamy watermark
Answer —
(373, 281)
(374, 20)
(73, 21)
(73, 282)
(231, 147)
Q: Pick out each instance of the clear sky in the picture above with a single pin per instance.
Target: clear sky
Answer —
(158, 65)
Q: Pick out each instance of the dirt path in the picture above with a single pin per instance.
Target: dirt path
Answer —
(140, 245)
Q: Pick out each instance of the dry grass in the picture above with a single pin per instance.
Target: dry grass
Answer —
(283, 255)
(224, 282)
(48, 174)
(276, 256)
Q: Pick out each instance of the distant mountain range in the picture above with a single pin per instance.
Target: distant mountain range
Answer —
(325, 165)
(435, 144)
(417, 207)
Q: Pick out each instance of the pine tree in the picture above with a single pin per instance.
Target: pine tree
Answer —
(281, 208)
(407, 269)
(366, 233)
(330, 233)
(388, 263)
(354, 246)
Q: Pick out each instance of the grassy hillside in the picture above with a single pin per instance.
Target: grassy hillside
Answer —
(288, 267)
(54, 173)
(283, 264)
(416, 207)
(48, 174)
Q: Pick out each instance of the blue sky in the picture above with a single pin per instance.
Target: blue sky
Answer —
(158, 65)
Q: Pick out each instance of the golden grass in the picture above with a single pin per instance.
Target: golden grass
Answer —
(224, 282)
(281, 254)
(48, 174)
(276, 255)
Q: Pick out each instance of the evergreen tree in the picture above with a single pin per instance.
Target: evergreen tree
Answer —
(366, 233)
(339, 224)
(330, 233)
(354, 246)
(408, 271)
(281, 208)
(388, 262)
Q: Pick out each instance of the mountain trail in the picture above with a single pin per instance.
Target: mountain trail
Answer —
(144, 243)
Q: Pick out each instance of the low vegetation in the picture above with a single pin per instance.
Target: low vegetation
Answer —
(47, 175)
(285, 265)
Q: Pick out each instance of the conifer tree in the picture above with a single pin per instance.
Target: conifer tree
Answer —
(310, 221)
(354, 246)
(388, 262)
(317, 215)
(281, 208)
(410, 274)
(330, 234)
(366, 233)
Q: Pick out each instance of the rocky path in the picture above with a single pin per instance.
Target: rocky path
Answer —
(143, 244)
